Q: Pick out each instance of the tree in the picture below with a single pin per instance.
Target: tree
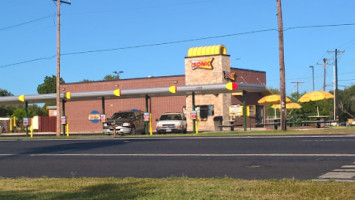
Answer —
(48, 85)
(274, 90)
(345, 103)
(19, 113)
(5, 93)
(86, 81)
(110, 77)
(271, 111)
(8, 110)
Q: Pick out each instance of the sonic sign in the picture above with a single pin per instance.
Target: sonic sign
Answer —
(202, 64)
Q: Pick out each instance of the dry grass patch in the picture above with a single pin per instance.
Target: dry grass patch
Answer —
(171, 188)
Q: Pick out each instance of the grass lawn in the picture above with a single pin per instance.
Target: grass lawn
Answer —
(293, 131)
(171, 188)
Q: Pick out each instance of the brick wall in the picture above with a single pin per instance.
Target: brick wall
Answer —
(220, 102)
(252, 77)
(77, 112)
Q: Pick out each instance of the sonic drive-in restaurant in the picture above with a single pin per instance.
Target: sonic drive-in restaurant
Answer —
(203, 65)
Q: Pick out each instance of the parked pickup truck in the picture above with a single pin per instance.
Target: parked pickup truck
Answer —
(125, 122)
(171, 122)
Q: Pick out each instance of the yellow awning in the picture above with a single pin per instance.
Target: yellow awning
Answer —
(207, 50)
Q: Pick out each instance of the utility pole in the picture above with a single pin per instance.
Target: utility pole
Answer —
(282, 67)
(336, 117)
(312, 75)
(297, 84)
(59, 113)
(325, 71)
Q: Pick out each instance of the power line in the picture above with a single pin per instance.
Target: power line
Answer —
(179, 41)
(24, 23)
(348, 80)
(28, 61)
(167, 43)
(319, 26)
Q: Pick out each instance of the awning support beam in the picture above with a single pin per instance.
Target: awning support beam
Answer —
(146, 110)
(193, 108)
(244, 111)
(26, 110)
(63, 114)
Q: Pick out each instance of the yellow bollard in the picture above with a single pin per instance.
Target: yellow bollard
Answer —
(11, 123)
(31, 128)
(150, 124)
(196, 126)
(67, 129)
(14, 125)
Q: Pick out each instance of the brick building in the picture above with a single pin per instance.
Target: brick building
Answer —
(203, 65)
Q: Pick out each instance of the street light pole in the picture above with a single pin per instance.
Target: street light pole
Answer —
(118, 73)
(312, 75)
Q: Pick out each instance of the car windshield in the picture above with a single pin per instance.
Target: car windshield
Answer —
(171, 117)
(123, 115)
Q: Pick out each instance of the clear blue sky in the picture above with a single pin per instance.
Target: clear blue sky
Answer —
(28, 32)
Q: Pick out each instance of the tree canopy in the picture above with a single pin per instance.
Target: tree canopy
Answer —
(48, 85)
(346, 103)
(4, 92)
(110, 77)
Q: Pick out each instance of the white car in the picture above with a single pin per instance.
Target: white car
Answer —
(171, 122)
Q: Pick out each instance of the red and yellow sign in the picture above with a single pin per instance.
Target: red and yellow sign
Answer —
(202, 64)
(230, 76)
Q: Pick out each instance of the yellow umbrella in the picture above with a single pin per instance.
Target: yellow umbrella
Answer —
(272, 99)
(288, 106)
(315, 96)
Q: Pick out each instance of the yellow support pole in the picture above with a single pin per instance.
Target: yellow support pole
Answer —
(196, 126)
(31, 128)
(11, 123)
(150, 124)
(14, 125)
(67, 126)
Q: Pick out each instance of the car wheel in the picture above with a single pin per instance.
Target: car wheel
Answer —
(133, 131)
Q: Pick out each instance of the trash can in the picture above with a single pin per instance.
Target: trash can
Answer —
(218, 120)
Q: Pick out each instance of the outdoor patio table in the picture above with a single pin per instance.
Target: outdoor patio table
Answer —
(320, 120)
(275, 122)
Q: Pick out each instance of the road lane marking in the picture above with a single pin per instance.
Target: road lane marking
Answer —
(330, 140)
(201, 155)
(344, 170)
(344, 173)
(179, 155)
(338, 175)
(348, 166)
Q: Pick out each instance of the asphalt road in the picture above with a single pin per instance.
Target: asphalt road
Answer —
(257, 157)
